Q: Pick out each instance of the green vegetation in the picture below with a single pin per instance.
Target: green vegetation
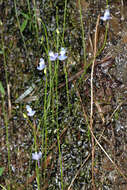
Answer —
(48, 114)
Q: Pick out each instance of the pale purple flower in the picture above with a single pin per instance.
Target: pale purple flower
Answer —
(106, 15)
(62, 55)
(30, 111)
(53, 56)
(41, 65)
(36, 156)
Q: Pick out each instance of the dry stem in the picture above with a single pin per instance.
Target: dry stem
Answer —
(91, 114)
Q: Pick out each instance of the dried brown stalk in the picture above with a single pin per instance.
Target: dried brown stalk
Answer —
(77, 173)
(9, 100)
(97, 141)
(91, 114)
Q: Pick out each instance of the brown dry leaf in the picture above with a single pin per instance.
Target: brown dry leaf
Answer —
(108, 92)
(123, 12)
(114, 23)
(84, 5)
(47, 162)
(107, 109)
(100, 93)
(46, 185)
(124, 38)
(100, 40)
(107, 165)
(100, 111)
(100, 36)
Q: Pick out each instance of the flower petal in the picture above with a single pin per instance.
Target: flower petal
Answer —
(41, 66)
(62, 51)
(106, 15)
(42, 60)
(53, 56)
(62, 57)
(28, 108)
(36, 156)
(30, 111)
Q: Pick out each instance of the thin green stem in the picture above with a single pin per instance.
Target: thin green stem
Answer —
(35, 145)
(3, 188)
(37, 172)
(35, 15)
(33, 126)
(20, 28)
(57, 104)
(44, 131)
(107, 3)
(65, 10)
(3, 106)
(7, 137)
(67, 90)
(105, 40)
(46, 102)
(98, 53)
(28, 3)
(83, 35)
(58, 140)
(50, 68)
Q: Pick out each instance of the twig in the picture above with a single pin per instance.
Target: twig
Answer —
(79, 73)
(110, 118)
(91, 114)
(100, 111)
(120, 104)
(97, 141)
(77, 173)
(9, 100)
(119, 170)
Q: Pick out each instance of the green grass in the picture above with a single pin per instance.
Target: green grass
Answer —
(20, 27)
(50, 105)
(4, 109)
(51, 101)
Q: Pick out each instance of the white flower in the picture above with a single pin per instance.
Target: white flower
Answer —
(62, 55)
(36, 156)
(30, 111)
(106, 15)
(53, 56)
(41, 65)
